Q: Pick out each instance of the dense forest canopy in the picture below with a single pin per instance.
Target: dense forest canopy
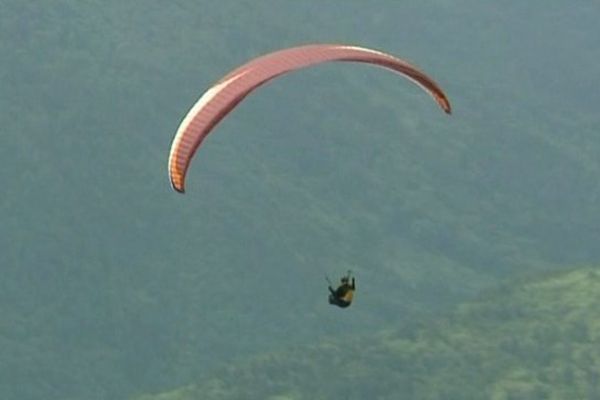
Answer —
(113, 285)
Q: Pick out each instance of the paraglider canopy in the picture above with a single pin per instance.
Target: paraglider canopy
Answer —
(224, 95)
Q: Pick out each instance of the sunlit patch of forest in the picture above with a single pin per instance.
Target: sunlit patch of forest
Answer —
(534, 340)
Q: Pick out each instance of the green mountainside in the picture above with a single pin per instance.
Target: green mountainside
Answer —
(530, 341)
(113, 284)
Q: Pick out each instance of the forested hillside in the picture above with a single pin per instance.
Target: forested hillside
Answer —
(537, 340)
(112, 284)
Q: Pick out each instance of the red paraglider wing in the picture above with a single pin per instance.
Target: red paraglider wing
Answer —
(221, 98)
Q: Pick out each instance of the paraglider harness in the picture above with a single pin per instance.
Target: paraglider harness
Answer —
(343, 295)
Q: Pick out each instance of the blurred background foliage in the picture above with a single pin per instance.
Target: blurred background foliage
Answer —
(113, 285)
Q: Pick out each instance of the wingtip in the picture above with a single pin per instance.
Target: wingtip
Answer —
(178, 189)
